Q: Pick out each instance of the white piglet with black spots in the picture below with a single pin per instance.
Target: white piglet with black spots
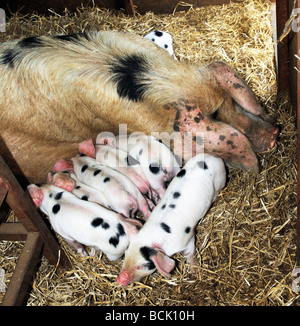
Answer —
(170, 227)
(163, 40)
(81, 190)
(124, 197)
(81, 222)
(156, 159)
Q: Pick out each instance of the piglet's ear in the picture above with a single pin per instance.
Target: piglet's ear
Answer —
(50, 177)
(36, 194)
(63, 165)
(130, 225)
(87, 147)
(163, 262)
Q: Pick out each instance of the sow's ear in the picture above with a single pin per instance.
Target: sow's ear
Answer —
(130, 225)
(162, 262)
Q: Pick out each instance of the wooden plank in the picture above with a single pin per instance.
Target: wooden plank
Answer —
(282, 16)
(129, 7)
(20, 202)
(298, 144)
(13, 232)
(168, 6)
(22, 276)
(3, 193)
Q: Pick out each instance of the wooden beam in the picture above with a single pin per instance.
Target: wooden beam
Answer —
(13, 232)
(22, 276)
(282, 16)
(21, 203)
(298, 143)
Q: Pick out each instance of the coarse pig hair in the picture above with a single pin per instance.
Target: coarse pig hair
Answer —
(57, 91)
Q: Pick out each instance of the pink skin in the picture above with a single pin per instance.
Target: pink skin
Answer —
(144, 209)
(228, 79)
(129, 204)
(162, 262)
(261, 133)
(139, 180)
(132, 208)
(253, 121)
(125, 277)
(61, 180)
(130, 172)
(36, 194)
(63, 165)
(217, 138)
(87, 147)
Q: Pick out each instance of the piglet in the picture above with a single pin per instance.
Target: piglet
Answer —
(81, 190)
(163, 40)
(124, 197)
(84, 223)
(156, 159)
(170, 227)
(121, 161)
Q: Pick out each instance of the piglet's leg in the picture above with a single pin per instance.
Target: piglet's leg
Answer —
(190, 253)
(78, 247)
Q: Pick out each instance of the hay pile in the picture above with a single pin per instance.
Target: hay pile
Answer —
(246, 243)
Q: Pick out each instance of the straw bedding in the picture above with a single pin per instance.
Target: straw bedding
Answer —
(246, 243)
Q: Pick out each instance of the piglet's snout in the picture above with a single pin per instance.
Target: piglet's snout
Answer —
(125, 277)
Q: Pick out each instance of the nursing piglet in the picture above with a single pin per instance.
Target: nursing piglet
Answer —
(81, 190)
(84, 223)
(121, 161)
(170, 228)
(156, 159)
(124, 197)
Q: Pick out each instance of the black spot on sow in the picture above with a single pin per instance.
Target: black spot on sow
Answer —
(8, 58)
(73, 37)
(129, 74)
(30, 42)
